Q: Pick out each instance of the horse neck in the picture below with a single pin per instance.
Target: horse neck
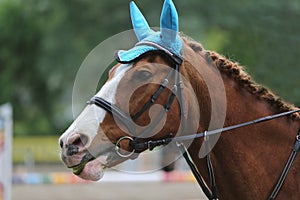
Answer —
(250, 158)
(243, 106)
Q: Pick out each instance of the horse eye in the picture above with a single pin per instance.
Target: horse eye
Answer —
(142, 75)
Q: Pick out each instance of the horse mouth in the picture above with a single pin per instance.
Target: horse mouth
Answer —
(77, 169)
(92, 167)
(93, 164)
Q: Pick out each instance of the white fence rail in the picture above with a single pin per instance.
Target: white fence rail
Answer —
(5, 151)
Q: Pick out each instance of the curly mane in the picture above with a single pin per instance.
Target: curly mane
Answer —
(237, 72)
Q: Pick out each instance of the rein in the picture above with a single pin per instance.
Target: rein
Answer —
(154, 143)
(138, 145)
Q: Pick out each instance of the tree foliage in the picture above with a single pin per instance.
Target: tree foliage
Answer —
(43, 42)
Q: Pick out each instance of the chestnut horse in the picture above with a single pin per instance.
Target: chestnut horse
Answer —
(247, 162)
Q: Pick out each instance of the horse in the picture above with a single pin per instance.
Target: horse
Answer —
(167, 88)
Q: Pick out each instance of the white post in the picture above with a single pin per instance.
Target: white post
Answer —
(5, 151)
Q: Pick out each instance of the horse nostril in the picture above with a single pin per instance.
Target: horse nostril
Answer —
(72, 149)
(75, 144)
(61, 143)
(83, 140)
(80, 141)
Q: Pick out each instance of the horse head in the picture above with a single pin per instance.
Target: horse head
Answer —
(142, 99)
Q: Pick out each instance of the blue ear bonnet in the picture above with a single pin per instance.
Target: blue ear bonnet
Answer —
(167, 37)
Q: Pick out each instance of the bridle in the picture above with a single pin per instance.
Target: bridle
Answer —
(129, 121)
(137, 141)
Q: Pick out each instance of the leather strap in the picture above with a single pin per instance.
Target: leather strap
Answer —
(286, 168)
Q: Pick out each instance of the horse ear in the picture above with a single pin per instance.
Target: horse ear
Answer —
(169, 21)
(139, 23)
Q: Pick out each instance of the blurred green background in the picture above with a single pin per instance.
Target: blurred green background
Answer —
(43, 42)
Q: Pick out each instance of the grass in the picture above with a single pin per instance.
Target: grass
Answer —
(40, 149)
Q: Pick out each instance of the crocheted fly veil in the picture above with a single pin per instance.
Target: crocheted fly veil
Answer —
(150, 40)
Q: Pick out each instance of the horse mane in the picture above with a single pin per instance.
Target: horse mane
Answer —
(237, 73)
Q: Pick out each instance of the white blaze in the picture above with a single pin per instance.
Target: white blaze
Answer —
(88, 121)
